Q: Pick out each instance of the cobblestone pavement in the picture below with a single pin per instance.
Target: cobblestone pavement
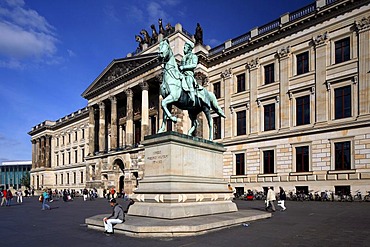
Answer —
(302, 224)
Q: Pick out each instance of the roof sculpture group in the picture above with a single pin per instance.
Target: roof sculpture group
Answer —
(144, 38)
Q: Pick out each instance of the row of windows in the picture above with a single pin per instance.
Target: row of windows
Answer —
(342, 109)
(69, 157)
(342, 159)
(67, 177)
(342, 54)
(69, 138)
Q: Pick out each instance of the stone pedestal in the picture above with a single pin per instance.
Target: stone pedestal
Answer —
(183, 178)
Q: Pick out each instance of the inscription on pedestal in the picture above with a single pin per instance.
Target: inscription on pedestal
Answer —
(157, 157)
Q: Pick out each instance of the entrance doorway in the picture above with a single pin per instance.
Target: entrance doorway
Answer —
(121, 185)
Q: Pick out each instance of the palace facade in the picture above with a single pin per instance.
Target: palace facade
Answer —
(295, 92)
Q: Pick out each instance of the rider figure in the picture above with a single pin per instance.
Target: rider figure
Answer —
(188, 64)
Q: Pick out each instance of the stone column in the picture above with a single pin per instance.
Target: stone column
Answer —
(120, 136)
(113, 139)
(47, 151)
(91, 130)
(38, 152)
(144, 109)
(160, 112)
(254, 118)
(102, 147)
(228, 87)
(42, 153)
(33, 154)
(129, 117)
(284, 116)
(322, 103)
(363, 33)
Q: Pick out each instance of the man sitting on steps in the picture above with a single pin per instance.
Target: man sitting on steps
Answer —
(117, 217)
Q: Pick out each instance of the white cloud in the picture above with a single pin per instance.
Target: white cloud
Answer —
(24, 35)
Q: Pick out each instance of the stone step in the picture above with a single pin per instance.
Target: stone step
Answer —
(154, 227)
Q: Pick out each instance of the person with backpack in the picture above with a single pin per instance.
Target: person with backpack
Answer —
(117, 217)
(45, 198)
(9, 197)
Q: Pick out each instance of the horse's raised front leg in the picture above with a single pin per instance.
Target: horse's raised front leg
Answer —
(210, 123)
(165, 102)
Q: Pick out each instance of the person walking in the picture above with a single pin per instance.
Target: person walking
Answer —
(19, 196)
(271, 197)
(45, 195)
(3, 199)
(282, 198)
(117, 217)
(9, 197)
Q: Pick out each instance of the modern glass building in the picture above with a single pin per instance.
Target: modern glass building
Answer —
(11, 173)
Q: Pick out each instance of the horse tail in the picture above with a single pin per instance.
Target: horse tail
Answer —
(214, 105)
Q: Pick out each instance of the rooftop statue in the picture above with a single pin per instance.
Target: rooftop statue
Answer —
(154, 37)
(179, 88)
(198, 35)
(145, 36)
(161, 29)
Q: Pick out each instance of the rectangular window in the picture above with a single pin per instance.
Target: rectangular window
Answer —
(269, 74)
(74, 178)
(67, 178)
(76, 134)
(302, 63)
(69, 157)
(342, 50)
(69, 138)
(169, 125)
(268, 161)
(269, 117)
(61, 178)
(57, 141)
(56, 179)
(217, 127)
(217, 89)
(241, 82)
(137, 133)
(239, 163)
(241, 123)
(81, 177)
(303, 110)
(57, 159)
(76, 156)
(343, 99)
(302, 159)
(82, 154)
(63, 159)
(343, 155)
(83, 133)
(153, 125)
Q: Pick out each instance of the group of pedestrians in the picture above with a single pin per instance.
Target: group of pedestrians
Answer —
(271, 197)
(7, 197)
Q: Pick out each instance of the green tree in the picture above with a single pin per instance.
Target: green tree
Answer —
(25, 180)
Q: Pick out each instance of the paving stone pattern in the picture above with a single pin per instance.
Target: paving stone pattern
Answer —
(302, 224)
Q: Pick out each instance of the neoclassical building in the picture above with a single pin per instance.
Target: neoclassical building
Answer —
(295, 92)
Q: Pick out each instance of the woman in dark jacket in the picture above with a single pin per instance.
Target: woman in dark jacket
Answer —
(282, 198)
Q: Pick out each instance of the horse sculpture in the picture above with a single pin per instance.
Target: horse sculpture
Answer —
(145, 36)
(173, 94)
(140, 40)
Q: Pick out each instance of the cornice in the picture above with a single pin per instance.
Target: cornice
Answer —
(248, 44)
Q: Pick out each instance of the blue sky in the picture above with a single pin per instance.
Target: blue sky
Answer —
(51, 51)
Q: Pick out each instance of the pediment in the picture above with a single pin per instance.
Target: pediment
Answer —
(118, 71)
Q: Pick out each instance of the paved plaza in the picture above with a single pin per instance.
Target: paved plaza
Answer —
(302, 224)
